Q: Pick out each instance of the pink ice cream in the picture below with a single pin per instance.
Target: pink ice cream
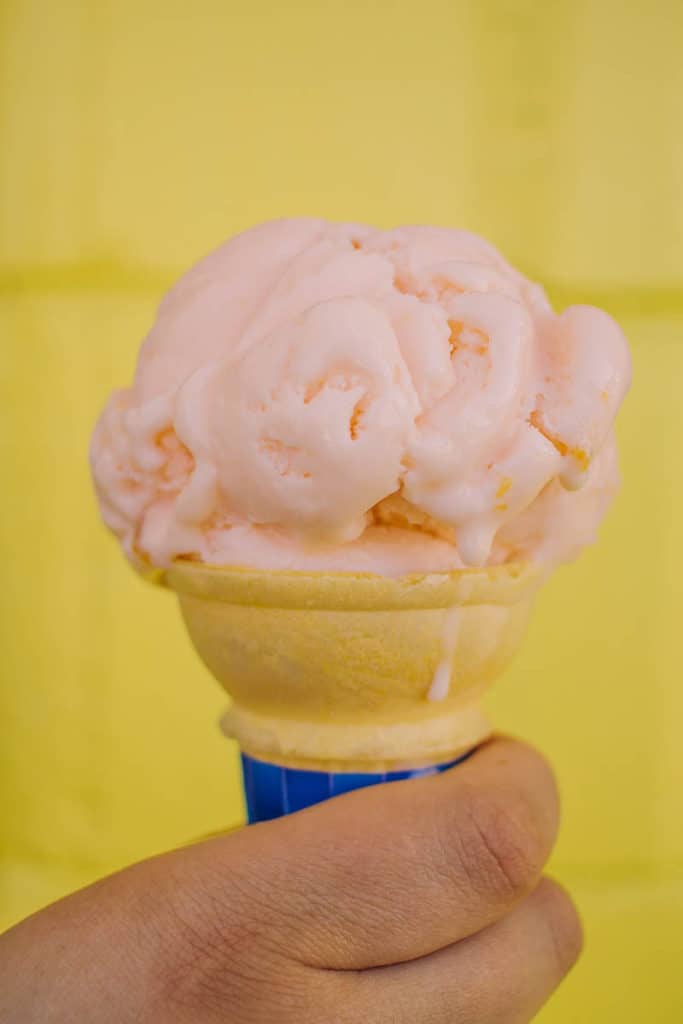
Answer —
(335, 397)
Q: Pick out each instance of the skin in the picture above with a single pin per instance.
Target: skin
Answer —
(418, 902)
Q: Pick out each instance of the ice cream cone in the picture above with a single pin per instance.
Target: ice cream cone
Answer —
(350, 672)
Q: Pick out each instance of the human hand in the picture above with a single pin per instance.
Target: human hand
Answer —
(417, 902)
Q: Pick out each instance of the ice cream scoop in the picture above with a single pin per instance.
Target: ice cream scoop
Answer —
(336, 397)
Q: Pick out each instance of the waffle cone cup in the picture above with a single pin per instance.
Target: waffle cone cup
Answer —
(354, 672)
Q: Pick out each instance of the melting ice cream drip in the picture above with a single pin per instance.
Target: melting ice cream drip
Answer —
(441, 683)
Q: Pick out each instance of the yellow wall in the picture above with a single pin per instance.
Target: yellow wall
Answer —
(135, 136)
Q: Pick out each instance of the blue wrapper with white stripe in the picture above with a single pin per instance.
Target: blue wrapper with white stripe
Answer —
(272, 791)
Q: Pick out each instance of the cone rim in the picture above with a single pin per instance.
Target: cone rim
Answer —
(337, 591)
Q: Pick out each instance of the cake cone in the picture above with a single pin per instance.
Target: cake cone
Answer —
(342, 672)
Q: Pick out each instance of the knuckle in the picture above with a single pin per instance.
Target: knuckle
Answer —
(563, 924)
(501, 849)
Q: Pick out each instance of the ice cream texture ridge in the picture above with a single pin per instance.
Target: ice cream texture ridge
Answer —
(335, 397)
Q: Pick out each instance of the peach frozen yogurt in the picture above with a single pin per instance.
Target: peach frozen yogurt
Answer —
(336, 397)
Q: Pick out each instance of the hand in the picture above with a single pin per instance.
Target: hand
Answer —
(412, 903)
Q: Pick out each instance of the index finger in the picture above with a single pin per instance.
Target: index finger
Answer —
(394, 872)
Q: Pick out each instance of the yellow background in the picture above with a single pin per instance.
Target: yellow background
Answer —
(134, 137)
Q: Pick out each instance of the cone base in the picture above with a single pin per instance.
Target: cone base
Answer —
(362, 746)
(272, 791)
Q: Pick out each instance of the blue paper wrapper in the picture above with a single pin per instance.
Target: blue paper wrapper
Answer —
(273, 791)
